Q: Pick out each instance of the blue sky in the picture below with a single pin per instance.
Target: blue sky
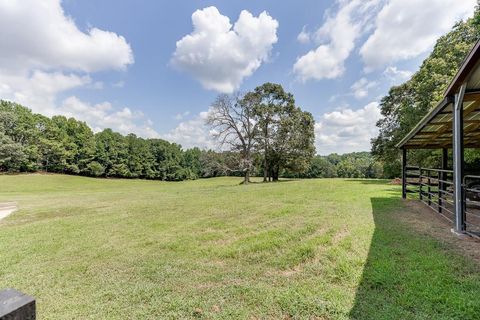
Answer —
(142, 67)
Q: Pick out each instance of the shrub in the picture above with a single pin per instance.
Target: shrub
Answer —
(95, 169)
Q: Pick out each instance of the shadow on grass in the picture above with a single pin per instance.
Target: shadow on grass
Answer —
(413, 276)
(269, 182)
(370, 181)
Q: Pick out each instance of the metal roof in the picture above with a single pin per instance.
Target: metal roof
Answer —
(434, 131)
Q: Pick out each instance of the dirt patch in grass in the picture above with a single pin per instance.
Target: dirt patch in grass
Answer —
(426, 221)
(7, 208)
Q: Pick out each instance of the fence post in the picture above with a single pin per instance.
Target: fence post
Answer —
(443, 176)
(404, 173)
(429, 189)
(420, 179)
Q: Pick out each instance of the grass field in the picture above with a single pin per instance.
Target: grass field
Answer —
(328, 249)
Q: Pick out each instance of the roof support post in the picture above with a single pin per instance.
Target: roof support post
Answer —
(458, 160)
(404, 173)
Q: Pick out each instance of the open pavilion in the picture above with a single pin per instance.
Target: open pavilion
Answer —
(453, 124)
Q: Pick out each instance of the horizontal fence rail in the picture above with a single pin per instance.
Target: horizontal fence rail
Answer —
(435, 188)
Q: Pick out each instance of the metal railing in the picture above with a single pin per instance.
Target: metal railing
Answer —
(435, 188)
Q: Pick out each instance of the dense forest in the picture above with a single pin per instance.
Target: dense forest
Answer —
(32, 142)
(407, 103)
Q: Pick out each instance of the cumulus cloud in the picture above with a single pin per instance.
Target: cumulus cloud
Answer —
(338, 131)
(337, 38)
(103, 115)
(303, 36)
(407, 28)
(48, 55)
(220, 56)
(397, 76)
(38, 34)
(360, 88)
(346, 130)
(38, 90)
(192, 133)
(182, 115)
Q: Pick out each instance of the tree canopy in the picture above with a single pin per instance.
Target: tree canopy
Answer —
(264, 123)
(32, 142)
(348, 165)
(406, 104)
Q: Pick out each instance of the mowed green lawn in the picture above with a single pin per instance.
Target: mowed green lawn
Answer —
(129, 249)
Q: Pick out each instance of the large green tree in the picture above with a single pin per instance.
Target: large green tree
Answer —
(407, 103)
(286, 136)
(272, 103)
(293, 145)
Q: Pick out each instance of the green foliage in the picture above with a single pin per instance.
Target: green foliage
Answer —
(407, 103)
(95, 169)
(260, 128)
(349, 165)
(30, 142)
(286, 135)
(12, 154)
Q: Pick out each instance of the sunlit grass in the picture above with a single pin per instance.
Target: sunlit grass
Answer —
(93, 249)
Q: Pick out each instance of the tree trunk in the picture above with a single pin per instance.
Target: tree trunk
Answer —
(265, 162)
(265, 169)
(246, 178)
(276, 172)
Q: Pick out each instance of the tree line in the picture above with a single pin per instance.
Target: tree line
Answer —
(32, 142)
(348, 165)
(261, 133)
(259, 129)
(406, 104)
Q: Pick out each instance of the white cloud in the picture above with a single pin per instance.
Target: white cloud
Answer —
(219, 56)
(104, 115)
(38, 90)
(337, 38)
(40, 35)
(360, 88)
(182, 115)
(346, 130)
(119, 84)
(303, 36)
(44, 54)
(407, 28)
(192, 133)
(397, 76)
(339, 131)
(97, 85)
